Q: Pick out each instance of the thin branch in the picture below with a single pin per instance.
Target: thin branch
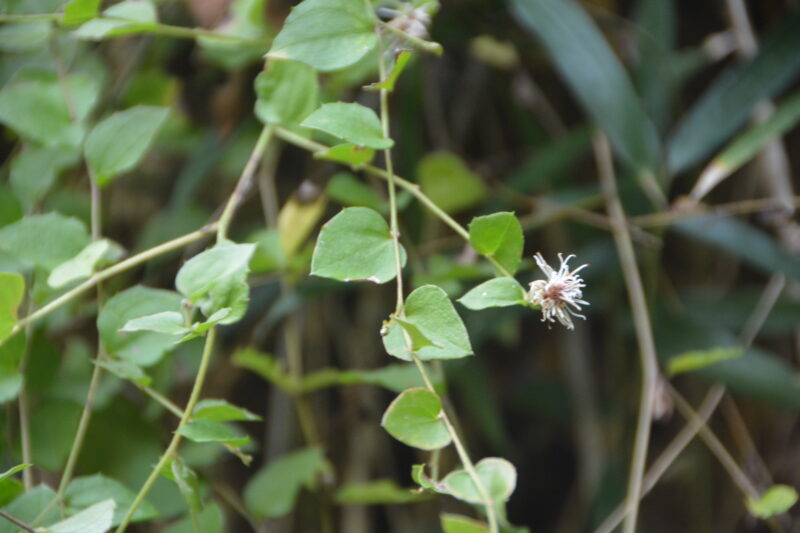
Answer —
(17, 522)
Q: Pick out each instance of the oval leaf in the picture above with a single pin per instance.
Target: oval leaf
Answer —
(204, 430)
(497, 292)
(498, 235)
(498, 477)
(413, 418)
(351, 122)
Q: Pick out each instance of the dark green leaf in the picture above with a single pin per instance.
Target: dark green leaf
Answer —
(13, 470)
(89, 490)
(349, 191)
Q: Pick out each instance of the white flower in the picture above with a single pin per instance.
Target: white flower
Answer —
(559, 296)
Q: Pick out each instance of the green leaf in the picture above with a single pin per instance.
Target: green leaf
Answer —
(118, 143)
(430, 310)
(272, 492)
(34, 170)
(264, 365)
(400, 63)
(498, 235)
(188, 484)
(378, 492)
(246, 21)
(748, 145)
(449, 183)
(326, 34)
(28, 507)
(205, 430)
(453, 523)
(89, 490)
(80, 11)
(351, 122)
(356, 245)
(778, 499)
(347, 154)
(143, 348)
(268, 255)
(126, 370)
(211, 519)
(497, 292)
(95, 519)
(498, 477)
(24, 36)
(414, 418)
(727, 104)
(200, 274)
(595, 76)
(125, 18)
(85, 263)
(697, 359)
(13, 470)
(421, 478)
(349, 191)
(396, 378)
(10, 489)
(287, 91)
(222, 411)
(169, 322)
(743, 241)
(44, 240)
(12, 288)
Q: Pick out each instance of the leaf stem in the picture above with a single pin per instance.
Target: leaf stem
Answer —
(176, 437)
(641, 319)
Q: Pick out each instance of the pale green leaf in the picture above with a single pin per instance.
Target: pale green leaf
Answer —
(498, 477)
(497, 292)
(347, 154)
(13, 470)
(34, 170)
(498, 235)
(350, 122)
(697, 359)
(44, 240)
(287, 91)
(414, 418)
(378, 492)
(125, 18)
(169, 322)
(126, 370)
(205, 430)
(89, 490)
(453, 523)
(222, 411)
(778, 499)
(95, 519)
(80, 11)
(198, 276)
(188, 484)
(85, 263)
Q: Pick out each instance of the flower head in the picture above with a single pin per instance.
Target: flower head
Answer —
(559, 296)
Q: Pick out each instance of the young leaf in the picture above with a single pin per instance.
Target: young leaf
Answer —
(348, 154)
(169, 322)
(430, 310)
(272, 492)
(95, 519)
(449, 183)
(413, 418)
(118, 143)
(356, 245)
(44, 240)
(596, 77)
(205, 430)
(80, 11)
(326, 34)
(222, 411)
(188, 484)
(84, 264)
(143, 348)
(351, 122)
(378, 492)
(400, 63)
(453, 523)
(125, 18)
(287, 91)
(498, 235)
(12, 287)
(497, 292)
(498, 477)
(13, 470)
(697, 359)
(421, 478)
(776, 500)
(83, 492)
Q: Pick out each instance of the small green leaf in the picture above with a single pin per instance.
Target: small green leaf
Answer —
(84, 264)
(417, 337)
(222, 411)
(12, 288)
(453, 523)
(272, 492)
(44, 240)
(89, 490)
(118, 143)
(169, 322)
(24, 36)
(34, 170)
(268, 255)
(414, 418)
(126, 370)
(125, 18)
(188, 484)
(349, 191)
(95, 519)
(776, 500)
(421, 478)
(326, 34)
(497, 292)
(449, 183)
(144, 348)
(200, 274)
(697, 359)
(400, 63)
(13, 470)
(356, 245)
(351, 122)
(348, 154)
(430, 310)
(378, 492)
(205, 430)
(287, 91)
(498, 477)
(498, 235)
(80, 11)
